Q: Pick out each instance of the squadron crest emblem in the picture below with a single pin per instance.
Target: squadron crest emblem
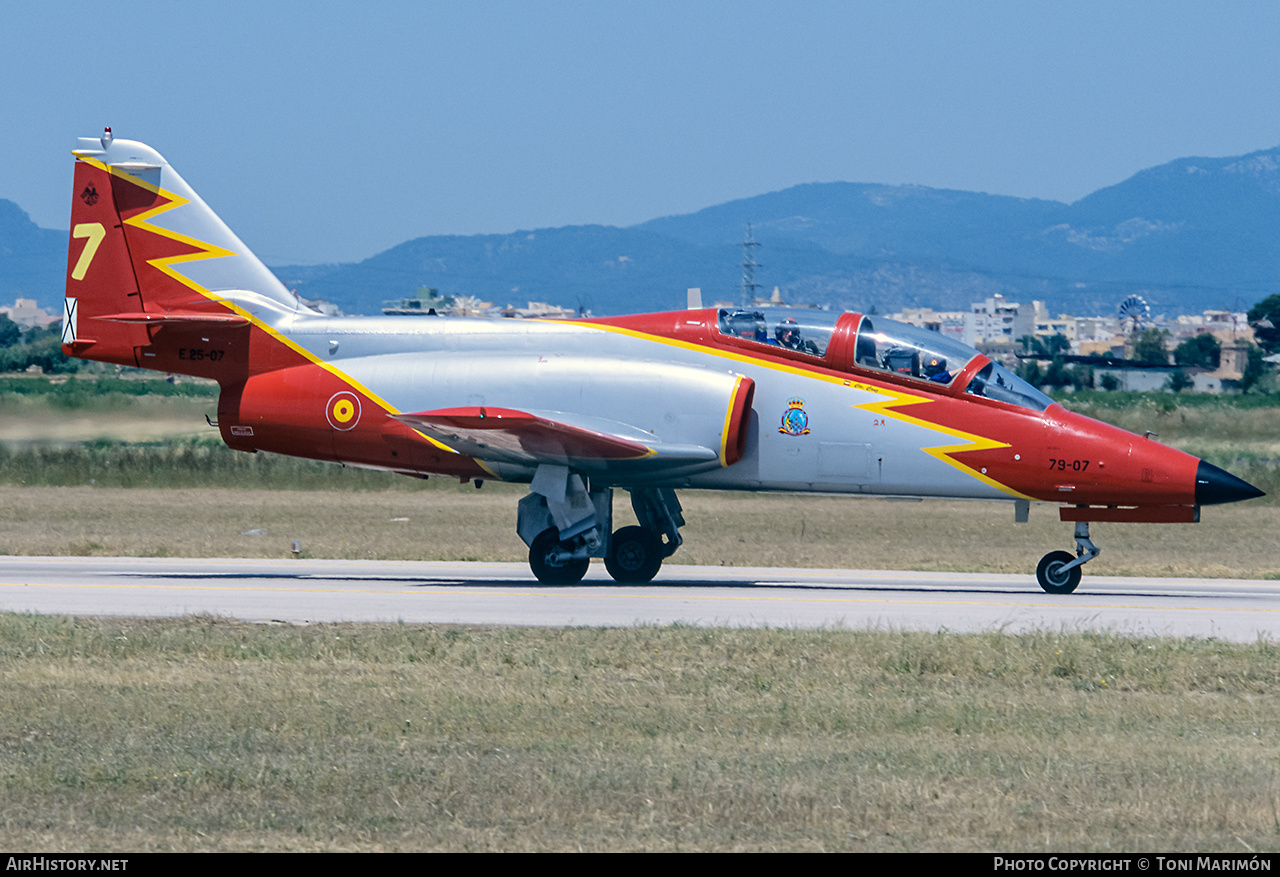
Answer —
(794, 419)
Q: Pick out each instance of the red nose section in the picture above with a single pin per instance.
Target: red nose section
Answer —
(1089, 463)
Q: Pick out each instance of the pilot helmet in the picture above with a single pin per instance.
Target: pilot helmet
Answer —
(787, 332)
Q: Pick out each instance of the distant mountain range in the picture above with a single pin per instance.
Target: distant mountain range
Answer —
(1192, 234)
(33, 260)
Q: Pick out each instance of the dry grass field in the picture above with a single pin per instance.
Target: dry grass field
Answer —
(25, 421)
(62, 418)
(209, 734)
(450, 523)
(204, 734)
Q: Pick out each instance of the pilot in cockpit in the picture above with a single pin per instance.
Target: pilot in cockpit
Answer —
(788, 335)
(935, 369)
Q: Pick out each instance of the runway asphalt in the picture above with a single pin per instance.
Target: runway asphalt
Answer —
(312, 591)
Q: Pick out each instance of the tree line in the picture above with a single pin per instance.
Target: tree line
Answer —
(21, 348)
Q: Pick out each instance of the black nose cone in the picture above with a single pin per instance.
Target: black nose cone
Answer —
(1214, 485)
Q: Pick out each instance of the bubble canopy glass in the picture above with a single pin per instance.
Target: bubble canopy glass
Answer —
(878, 344)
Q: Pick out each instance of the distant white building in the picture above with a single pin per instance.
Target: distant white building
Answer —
(997, 321)
(1134, 378)
(1230, 321)
(1047, 325)
(542, 310)
(26, 313)
(1227, 326)
(948, 323)
(1097, 329)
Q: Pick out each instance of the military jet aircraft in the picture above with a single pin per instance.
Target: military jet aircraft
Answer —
(767, 399)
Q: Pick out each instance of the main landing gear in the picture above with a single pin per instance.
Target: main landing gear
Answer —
(634, 555)
(565, 524)
(555, 561)
(1058, 572)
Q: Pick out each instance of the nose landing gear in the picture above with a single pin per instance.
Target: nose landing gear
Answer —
(1058, 572)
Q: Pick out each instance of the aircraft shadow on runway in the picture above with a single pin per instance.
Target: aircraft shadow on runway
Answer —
(609, 584)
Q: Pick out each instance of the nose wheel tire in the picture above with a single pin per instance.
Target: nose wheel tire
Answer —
(1051, 575)
(635, 555)
(550, 571)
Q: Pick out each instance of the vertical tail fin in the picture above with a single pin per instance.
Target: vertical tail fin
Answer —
(146, 250)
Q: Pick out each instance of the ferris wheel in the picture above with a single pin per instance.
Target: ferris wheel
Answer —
(1134, 313)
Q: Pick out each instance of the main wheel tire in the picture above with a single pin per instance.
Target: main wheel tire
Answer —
(1053, 578)
(635, 556)
(540, 554)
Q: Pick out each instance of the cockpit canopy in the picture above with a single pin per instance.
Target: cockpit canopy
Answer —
(849, 341)
(795, 329)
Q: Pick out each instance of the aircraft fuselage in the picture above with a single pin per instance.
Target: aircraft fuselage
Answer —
(756, 399)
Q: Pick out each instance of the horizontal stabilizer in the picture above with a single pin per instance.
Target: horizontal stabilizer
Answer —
(528, 438)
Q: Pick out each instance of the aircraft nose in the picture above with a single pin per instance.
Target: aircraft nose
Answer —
(1214, 485)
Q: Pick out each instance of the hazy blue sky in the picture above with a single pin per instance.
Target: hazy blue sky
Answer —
(330, 131)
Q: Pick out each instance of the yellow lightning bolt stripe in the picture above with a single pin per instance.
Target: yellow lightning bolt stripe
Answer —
(969, 442)
(798, 371)
(206, 251)
(211, 251)
(889, 400)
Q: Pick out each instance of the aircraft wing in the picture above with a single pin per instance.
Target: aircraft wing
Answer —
(530, 438)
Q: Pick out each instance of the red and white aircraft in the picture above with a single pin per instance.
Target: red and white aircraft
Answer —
(731, 399)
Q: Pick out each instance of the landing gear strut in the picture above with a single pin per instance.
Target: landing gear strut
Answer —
(563, 520)
(1059, 572)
